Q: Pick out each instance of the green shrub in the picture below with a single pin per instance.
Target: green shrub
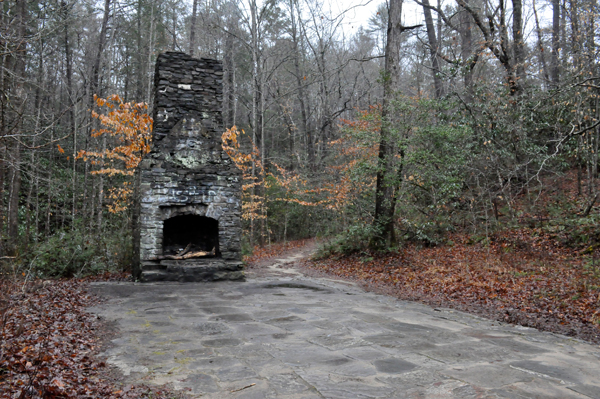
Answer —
(75, 253)
(354, 239)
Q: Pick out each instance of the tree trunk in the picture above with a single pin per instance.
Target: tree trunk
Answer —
(256, 76)
(502, 51)
(300, 79)
(590, 31)
(554, 65)
(193, 28)
(229, 78)
(541, 46)
(326, 119)
(14, 164)
(139, 55)
(174, 30)
(95, 89)
(71, 105)
(505, 56)
(563, 27)
(387, 183)
(100, 50)
(135, 226)
(14, 181)
(575, 37)
(255, 103)
(518, 42)
(151, 50)
(4, 65)
(433, 50)
(466, 52)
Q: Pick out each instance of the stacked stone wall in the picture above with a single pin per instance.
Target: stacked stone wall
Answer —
(187, 171)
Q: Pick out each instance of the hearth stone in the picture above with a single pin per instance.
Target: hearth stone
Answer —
(189, 193)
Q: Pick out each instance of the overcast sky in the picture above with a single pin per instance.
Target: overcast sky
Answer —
(412, 14)
(364, 9)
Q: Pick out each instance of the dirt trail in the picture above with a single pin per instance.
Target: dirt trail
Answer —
(284, 263)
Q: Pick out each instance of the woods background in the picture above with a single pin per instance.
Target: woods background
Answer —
(489, 102)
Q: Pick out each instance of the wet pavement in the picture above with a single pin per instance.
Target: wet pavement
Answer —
(289, 336)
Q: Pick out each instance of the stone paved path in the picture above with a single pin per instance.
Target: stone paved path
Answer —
(289, 336)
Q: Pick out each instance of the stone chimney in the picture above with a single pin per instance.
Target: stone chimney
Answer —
(189, 198)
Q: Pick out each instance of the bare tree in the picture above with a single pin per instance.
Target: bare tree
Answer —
(495, 38)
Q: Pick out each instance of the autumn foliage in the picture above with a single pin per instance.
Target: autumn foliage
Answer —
(258, 180)
(127, 134)
(352, 169)
(130, 126)
(253, 173)
(334, 191)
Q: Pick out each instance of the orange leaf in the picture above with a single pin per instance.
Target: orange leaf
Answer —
(58, 383)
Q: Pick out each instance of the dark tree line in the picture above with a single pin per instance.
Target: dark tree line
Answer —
(525, 87)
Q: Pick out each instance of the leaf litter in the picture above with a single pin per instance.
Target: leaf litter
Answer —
(515, 276)
(49, 344)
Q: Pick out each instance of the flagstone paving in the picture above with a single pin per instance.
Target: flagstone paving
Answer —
(290, 336)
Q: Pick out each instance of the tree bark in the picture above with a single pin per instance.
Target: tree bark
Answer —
(433, 50)
(229, 82)
(14, 164)
(193, 28)
(136, 269)
(518, 41)
(554, 65)
(139, 55)
(387, 183)
(466, 52)
(575, 36)
(4, 65)
(100, 50)
(71, 104)
(591, 50)
(300, 79)
(563, 27)
(229, 69)
(255, 101)
(325, 121)
(502, 51)
(541, 46)
(95, 90)
(14, 181)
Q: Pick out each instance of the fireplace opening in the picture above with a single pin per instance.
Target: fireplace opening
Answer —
(191, 236)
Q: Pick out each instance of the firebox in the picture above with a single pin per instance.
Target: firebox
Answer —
(191, 234)
(189, 190)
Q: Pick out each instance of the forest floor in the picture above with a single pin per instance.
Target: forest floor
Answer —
(515, 278)
(541, 272)
(50, 342)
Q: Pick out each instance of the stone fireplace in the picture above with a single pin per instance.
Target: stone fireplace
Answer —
(189, 226)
